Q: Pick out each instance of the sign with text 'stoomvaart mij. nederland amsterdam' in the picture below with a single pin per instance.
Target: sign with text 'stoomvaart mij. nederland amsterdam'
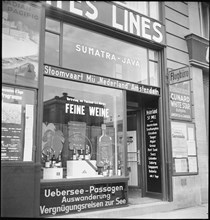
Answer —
(112, 15)
(99, 80)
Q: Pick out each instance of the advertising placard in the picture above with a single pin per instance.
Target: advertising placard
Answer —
(153, 151)
(184, 148)
(180, 101)
(74, 198)
(17, 124)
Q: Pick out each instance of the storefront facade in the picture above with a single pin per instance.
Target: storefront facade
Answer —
(85, 116)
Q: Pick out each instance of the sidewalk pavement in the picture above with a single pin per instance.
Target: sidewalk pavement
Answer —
(197, 212)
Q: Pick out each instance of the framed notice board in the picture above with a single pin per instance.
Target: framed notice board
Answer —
(184, 150)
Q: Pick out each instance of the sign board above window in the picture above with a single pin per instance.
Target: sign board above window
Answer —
(116, 17)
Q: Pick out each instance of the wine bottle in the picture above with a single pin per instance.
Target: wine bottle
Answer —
(47, 162)
(110, 169)
(119, 171)
(104, 146)
(74, 155)
(87, 153)
(59, 160)
(53, 160)
(81, 157)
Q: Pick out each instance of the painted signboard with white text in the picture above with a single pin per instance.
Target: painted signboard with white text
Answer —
(115, 16)
(75, 198)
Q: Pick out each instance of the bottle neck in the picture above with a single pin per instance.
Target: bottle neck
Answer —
(103, 132)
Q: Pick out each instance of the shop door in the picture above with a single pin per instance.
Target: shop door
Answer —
(133, 148)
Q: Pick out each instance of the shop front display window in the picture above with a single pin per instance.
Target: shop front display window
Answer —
(17, 130)
(81, 130)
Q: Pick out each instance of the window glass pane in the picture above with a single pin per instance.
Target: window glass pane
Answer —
(205, 19)
(51, 48)
(141, 7)
(17, 124)
(52, 25)
(20, 44)
(154, 10)
(82, 123)
(102, 55)
(153, 55)
(153, 72)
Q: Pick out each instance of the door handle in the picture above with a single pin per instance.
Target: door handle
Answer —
(138, 157)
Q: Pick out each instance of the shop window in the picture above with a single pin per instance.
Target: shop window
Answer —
(204, 17)
(20, 44)
(82, 126)
(150, 9)
(17, 130)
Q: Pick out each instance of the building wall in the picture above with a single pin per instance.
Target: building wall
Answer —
(182, 18)
(200, 120)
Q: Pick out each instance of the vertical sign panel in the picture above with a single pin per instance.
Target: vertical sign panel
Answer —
(153, 151)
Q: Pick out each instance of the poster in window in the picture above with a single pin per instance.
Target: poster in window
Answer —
(28, 142)
(11, 132)
(20, 42)
(17, 124)
(179, 140)
(193, 167)
(184, 147)
(181, 165)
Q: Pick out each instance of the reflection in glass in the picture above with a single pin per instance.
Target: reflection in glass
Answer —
(102, 55)
(52, 25)
(51, 48)
(154, 9)
(153, 68)
(86, 121)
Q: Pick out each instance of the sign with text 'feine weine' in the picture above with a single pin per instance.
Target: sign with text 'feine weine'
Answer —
(62, 73)
(115, 16)
(73, 198)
